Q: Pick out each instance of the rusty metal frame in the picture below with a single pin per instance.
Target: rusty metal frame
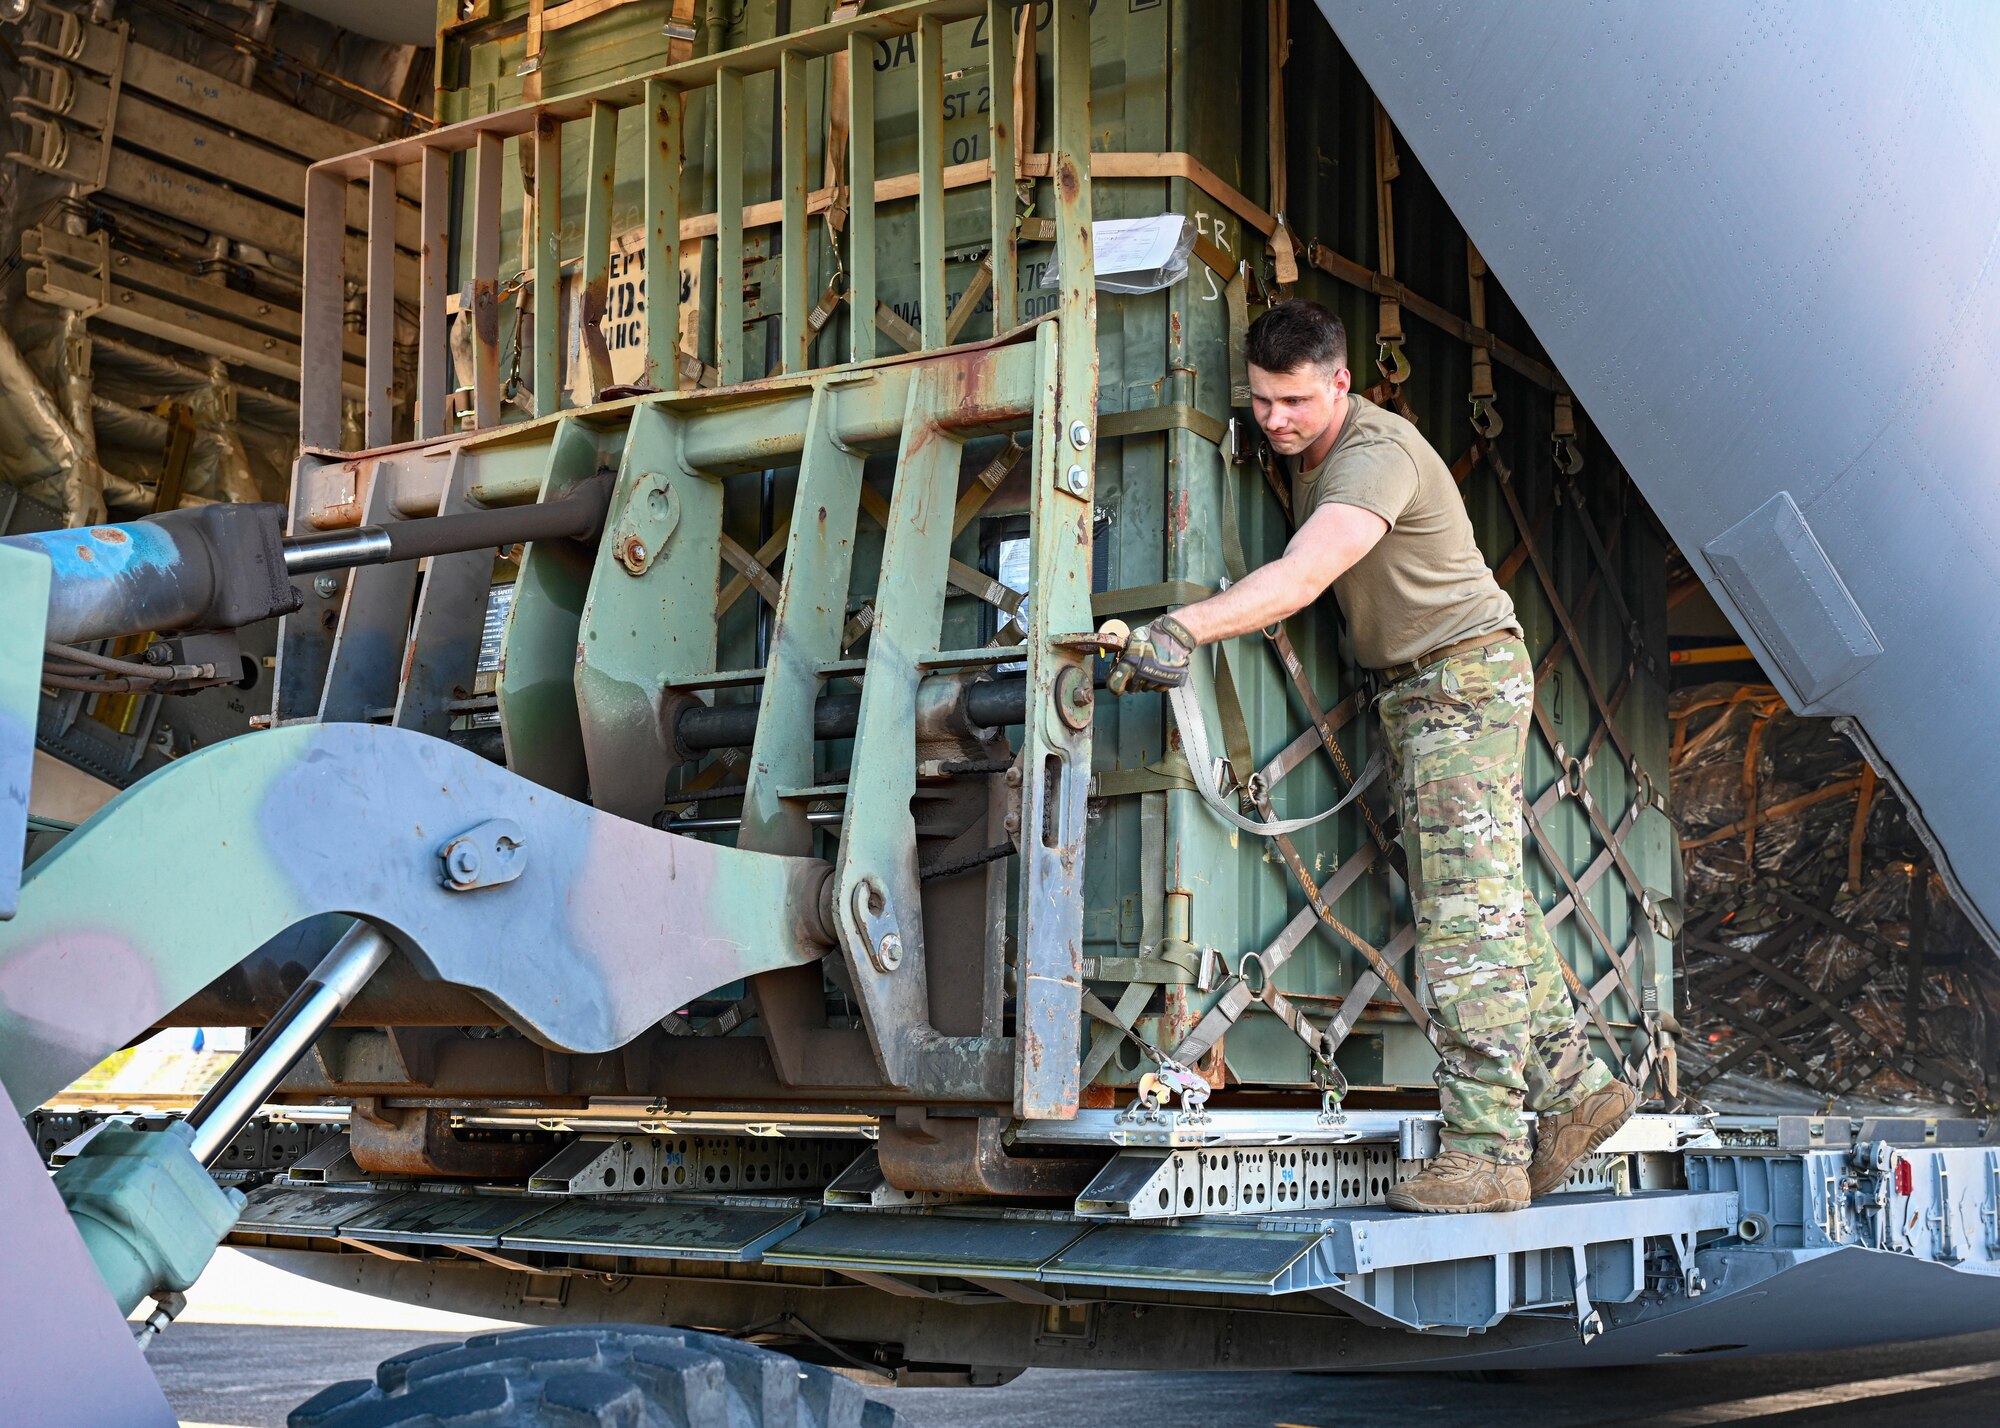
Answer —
(1038, 384)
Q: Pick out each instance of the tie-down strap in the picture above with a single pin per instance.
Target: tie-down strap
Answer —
(1206, 771)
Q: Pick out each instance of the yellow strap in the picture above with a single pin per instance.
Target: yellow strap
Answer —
(968, 301)
(839, 92)
(900, 332)
(696, 373)
(680, 32)
(1024, 94)
(531, 63)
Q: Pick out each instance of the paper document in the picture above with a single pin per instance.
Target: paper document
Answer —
(1137, 255)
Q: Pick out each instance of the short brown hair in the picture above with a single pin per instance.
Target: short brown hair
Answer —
(1293, 334)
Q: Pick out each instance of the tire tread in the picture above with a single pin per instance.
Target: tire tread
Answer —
(613, 1375)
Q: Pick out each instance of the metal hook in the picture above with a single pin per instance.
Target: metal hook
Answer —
(1486, 418)
(1391, 362)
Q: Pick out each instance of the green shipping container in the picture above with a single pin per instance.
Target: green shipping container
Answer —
(1175, 902)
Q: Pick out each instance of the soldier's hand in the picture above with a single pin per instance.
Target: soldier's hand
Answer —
(1155, 658)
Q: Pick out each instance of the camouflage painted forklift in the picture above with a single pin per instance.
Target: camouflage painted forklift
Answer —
(688, 875)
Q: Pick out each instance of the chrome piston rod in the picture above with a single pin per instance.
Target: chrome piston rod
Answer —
(249, 1082)
(576, 516)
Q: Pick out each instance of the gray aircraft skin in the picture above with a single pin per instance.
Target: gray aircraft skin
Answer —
(1760, 241)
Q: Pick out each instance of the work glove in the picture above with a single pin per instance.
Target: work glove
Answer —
(1155, 658)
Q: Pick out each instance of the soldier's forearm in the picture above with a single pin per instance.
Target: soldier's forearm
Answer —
(1259, 600)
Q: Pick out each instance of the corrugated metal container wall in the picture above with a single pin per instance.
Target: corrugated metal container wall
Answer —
(1171, 78)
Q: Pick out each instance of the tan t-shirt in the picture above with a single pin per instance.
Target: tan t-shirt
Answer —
(1425, 584)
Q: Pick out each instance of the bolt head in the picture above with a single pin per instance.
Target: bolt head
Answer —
(463, 861)
(633, 555)
(1079, 435)
(892, 949)
(1074, 696)
(326, 585)
(1078, 480)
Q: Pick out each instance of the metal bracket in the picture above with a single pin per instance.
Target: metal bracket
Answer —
(863, 1184)
(1589, 1323)
(875, 918)
(484, 856)
(1691, 1278)
(648, 522)
(116, 86)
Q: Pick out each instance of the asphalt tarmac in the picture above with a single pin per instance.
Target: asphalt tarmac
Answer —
(257, 1342)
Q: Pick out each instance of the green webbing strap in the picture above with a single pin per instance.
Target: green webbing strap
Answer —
(1186, 705)
(1131, 599)
(1174, 416)
(1233, 563)
(1228, 704)
(1152, 867)
(1229, 710)
(1153, 778)
(1177, 967)
(1237, 296)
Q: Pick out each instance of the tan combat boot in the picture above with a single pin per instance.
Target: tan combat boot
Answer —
(1562, 1140)
(1460, 1183)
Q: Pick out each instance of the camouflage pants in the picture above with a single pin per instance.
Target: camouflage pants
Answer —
(1506, 1030)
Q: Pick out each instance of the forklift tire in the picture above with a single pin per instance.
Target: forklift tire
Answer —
(628, 1375)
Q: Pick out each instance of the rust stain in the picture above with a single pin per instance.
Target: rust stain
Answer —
(84, 552)
(109, 535)
(338, 516)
